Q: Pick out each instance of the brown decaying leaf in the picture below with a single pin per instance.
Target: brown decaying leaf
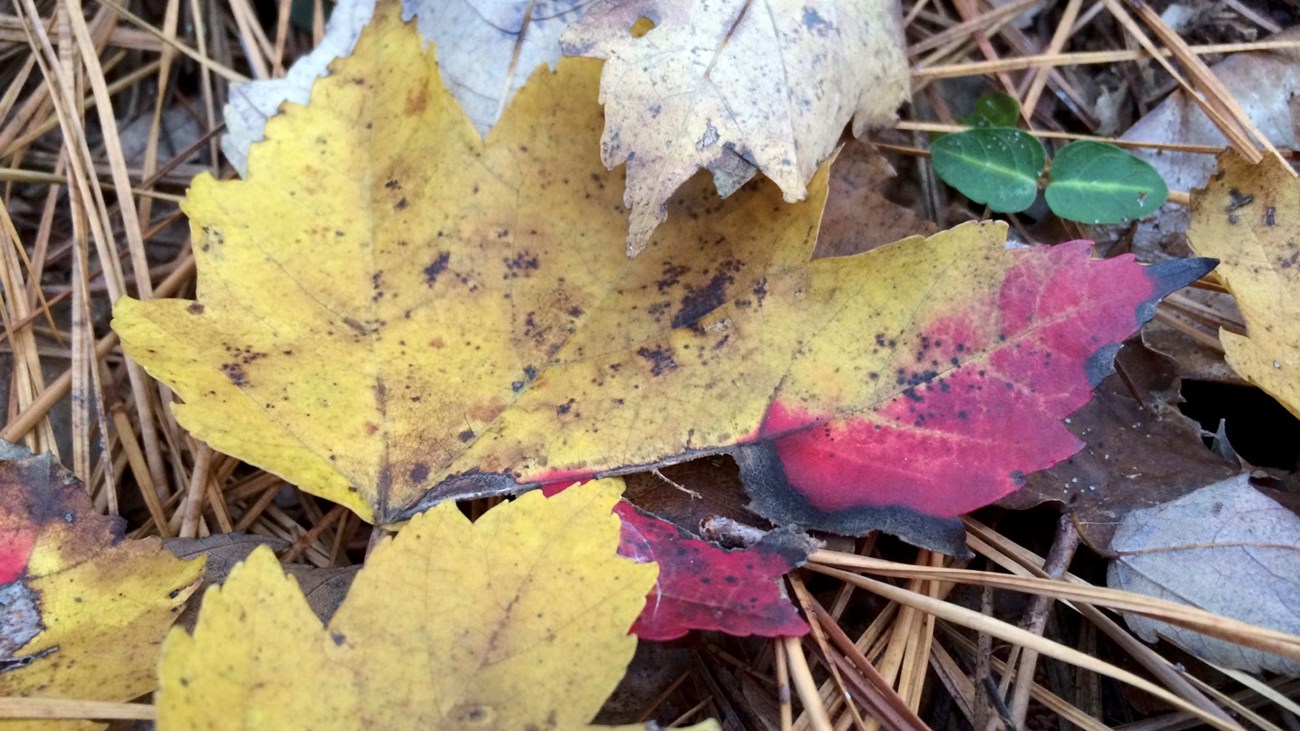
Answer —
(858, 217)
(687, 493)
(1136, 454)
(323, 586)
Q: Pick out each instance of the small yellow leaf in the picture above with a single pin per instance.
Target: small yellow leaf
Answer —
(82, 611)
(519, 620)
(256, 647)
(1248, 217)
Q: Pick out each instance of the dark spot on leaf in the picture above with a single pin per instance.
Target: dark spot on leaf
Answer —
(235, 373)
(1239, 200)
(419, 473)
(699, 302)
(672, 274)
(814, 22)
(438, 266)
(521, 264)
(661, 359)
(417, 102)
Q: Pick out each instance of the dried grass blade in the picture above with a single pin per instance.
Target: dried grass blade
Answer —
(1006, 632)
(1215, 625)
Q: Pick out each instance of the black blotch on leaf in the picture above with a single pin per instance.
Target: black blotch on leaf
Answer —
(419, 473)
(660, 358)
(699, 302)
(438, 266)
(521, 264)
(235, 373)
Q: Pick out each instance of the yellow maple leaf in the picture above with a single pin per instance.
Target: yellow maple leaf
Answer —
(388, 304)
(1248, 217)
(518, 620)
(82, 611)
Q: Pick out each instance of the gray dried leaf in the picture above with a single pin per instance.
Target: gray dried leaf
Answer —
(1227, 548)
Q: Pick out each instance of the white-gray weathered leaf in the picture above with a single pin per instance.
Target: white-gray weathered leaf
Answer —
(735, 88)
(486, 51)
(253, 103)
(488, 48)
(1226, 548)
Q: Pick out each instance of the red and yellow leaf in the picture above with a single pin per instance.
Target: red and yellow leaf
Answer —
(392, 313)
(969, 356)
(82, 610)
